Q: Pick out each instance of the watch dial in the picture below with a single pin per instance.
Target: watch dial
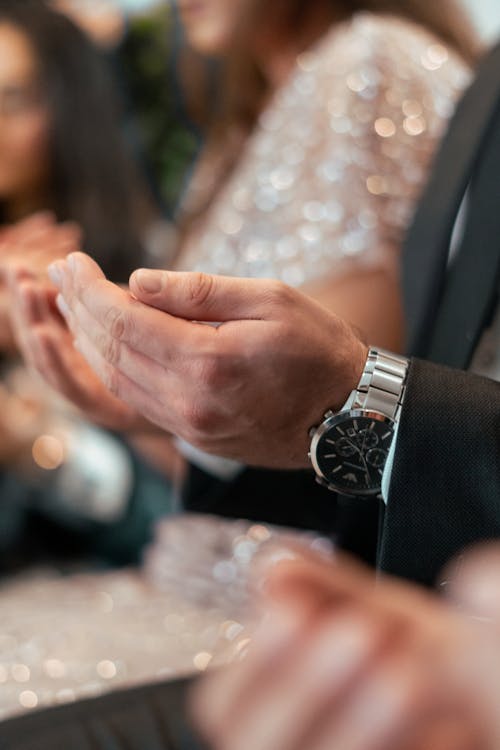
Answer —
(352, 452)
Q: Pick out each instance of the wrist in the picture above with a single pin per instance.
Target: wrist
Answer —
(339, 377)
(343, 375)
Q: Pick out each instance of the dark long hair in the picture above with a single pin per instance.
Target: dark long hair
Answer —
(93, 179)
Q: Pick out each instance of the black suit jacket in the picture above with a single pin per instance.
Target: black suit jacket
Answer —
(445, 489)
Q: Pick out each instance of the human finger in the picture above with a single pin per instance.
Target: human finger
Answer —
(278, 711)
(297, 593)
(205, 297)
(121, 387)
(109, 354)
(402, 702)
(156, 335)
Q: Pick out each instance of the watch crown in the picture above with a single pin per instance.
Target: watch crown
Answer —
(312, 432)
(329, 414)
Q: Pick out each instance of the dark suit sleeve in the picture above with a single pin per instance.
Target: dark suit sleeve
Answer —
(445, 485)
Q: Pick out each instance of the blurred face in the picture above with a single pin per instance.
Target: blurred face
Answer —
(24, 120)
(209, 24)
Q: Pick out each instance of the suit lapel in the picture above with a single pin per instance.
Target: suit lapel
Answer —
(471, 289)
(426, 250)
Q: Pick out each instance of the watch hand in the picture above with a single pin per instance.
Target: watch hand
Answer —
(353, 445)
(367, 470)
(353, 466)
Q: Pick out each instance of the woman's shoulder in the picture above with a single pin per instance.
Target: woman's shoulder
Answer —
(389, 42)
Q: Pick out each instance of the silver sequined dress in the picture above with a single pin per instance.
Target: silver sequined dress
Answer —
(328, 179)
(331, 174)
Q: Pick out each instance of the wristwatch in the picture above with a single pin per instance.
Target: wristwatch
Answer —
(349, 449)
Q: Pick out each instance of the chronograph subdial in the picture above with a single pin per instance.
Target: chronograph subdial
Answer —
(352, 450)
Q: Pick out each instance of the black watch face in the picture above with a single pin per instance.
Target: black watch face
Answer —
(351, 451)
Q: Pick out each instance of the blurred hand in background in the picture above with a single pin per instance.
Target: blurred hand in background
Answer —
(29, 247)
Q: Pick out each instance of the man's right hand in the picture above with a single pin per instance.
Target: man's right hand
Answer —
(248, 388)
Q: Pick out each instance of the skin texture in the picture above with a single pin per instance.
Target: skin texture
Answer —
(248, 389)
(340, 663)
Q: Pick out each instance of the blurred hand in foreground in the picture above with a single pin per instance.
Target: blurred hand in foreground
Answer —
(342, 663)
(248, 388)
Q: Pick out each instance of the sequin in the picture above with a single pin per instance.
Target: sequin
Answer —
(415, 125)
(202, 660)
(28, 699)
(307, 61)
(314, 211)
(316, 190)
(54, 668)
(20, 672)
(346, 139)
(385, 127)
(412, 108)
(187, 610)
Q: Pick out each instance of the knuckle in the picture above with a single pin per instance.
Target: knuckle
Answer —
(200, 287)
(111, 380)
(199, 420)
(210, 371)
(280, 293)
(110, 349)
(116, 322)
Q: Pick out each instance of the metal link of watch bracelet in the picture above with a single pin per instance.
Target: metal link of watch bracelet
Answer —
(382, 384)
(350, 447)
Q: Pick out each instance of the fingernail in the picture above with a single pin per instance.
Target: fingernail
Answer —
(55, 274)
(149, 282)
(62, 306)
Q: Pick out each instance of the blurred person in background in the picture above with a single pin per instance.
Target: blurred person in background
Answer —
(102, 20)
(63, 159)
(160, 78)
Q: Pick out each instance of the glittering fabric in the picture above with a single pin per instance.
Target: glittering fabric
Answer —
(65, 638)
(331, 175)
(329, 179)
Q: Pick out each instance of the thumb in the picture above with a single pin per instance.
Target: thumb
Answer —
(204, 297)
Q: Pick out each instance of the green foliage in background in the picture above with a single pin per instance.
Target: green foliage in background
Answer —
(168, 141)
